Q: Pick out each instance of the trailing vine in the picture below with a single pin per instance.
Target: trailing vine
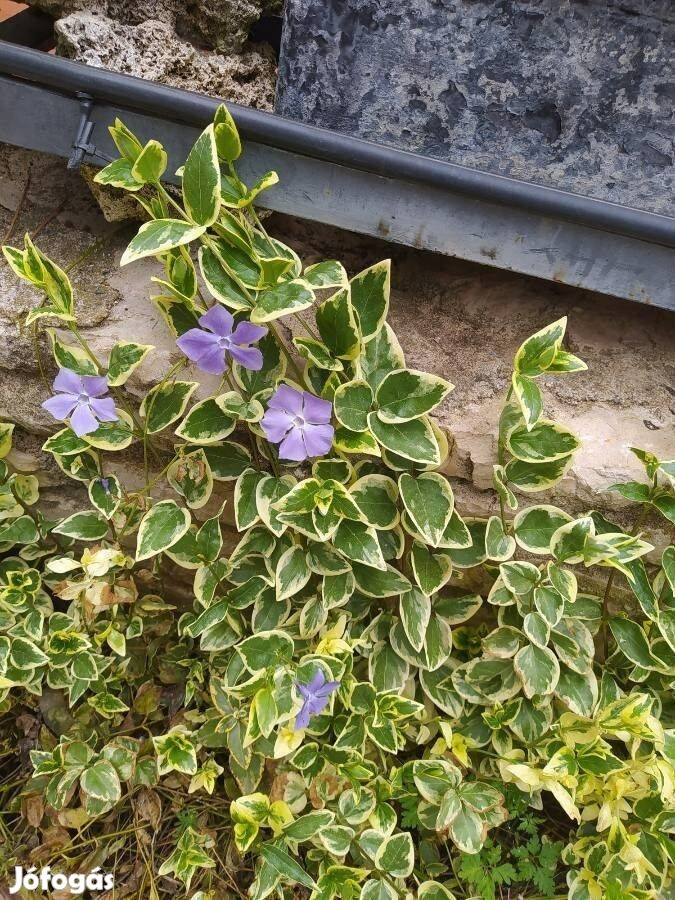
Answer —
(368, 694)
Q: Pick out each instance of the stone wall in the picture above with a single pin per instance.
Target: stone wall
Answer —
(454, 318)
(575, 94)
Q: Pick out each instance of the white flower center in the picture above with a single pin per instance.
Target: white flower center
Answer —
(224, 343)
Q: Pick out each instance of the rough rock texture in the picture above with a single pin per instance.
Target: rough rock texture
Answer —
(153, 50)
(574, 94)
(455, 318)
(223, 25)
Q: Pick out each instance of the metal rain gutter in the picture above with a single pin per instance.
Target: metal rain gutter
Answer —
(352, 183)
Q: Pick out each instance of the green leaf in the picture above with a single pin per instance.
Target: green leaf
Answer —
(542, 442)
(529, 399)
(112, 436)
(358, 542)
(119, 174)
(337, 325)
(379, 583)
(219, 283)
(83, 526)
(406, 394)
(266, 649)
(309, 825)
(632, 641)
(22, 530)
(375, 496)
(361, 442)
(327, 274)
(370, 297)
(105, 495)
(124, 358)
(386, 670)
(101, 781)
(519, 577)
(227, 136)
(538, 670)
(166, 403)
(161, 527)
(382, 354)
(467, 830)
(158, 236)
(532, 477)
(537, 353)
(536, 629)
(150, 163)
(578, 692)
(286, 866)
(534, 527)
(227, 460)
(190, 476)
(206, 423)
(292, 573)
(282, 300)
(414, 440)
(317, 354)
(431, 570)
(201, 180)
(24, 654)
(396, 855)
(69, 356)
(429, 501)
(352, 402)
(499, 545)
(415, 612)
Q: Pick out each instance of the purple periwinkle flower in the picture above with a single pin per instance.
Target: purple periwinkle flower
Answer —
(315, 695)
(209, 346)
(299, 422)
(83, 398)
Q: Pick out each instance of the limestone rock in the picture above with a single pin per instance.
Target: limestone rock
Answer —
(222, 25)
(152, 50)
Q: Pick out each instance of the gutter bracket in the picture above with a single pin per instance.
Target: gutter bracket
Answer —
(81, 146)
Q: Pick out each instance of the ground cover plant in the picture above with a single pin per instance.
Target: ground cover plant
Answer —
(366, 694)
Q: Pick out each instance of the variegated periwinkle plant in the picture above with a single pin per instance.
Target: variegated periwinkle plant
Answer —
(355, 691)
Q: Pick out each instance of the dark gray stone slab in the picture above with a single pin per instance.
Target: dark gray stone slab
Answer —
(571, 94)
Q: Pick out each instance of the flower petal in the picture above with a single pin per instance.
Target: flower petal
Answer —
(68, 382)
(318, 439)
(302, 718)
(317, 680)
(95, 385)
(286, 397)
(104, 409)
(212, 361)
(248, 357)
(317, 705)
(82, 421)
(316, 410)
(276, 423)
(219, 320)
(292, 447)
(248, 333)
(328, 688)
(303, 690)
(60, 406)
(195, 342)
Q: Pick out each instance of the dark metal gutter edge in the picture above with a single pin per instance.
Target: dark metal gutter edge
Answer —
(319, 143)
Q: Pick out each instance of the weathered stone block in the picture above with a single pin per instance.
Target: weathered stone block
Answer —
(576, 95)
